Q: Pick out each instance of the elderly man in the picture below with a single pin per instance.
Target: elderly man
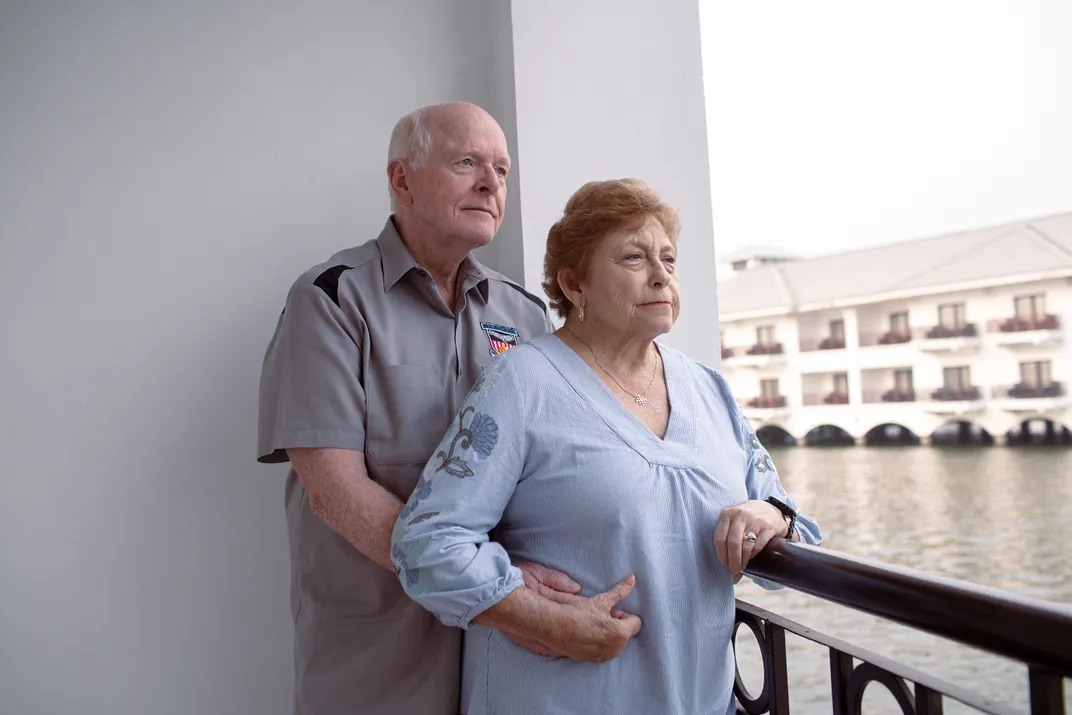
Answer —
(374, 352)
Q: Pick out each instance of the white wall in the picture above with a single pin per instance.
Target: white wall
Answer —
(166, 170)
(614, 88)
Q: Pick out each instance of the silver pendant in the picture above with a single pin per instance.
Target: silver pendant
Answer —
(640, 400)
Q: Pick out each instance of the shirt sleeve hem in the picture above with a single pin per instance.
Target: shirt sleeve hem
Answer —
(514, 581)
(275, 451)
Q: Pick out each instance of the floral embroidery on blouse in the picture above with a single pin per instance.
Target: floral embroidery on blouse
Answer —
(481, 436)
(763, 460)
(489, 378)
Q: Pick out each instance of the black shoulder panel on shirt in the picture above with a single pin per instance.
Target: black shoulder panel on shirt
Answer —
(530, 296)
(328, 281)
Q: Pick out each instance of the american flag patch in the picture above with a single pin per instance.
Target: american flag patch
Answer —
(501, 337)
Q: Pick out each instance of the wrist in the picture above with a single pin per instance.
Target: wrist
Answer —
(782, 529)
(788, 516)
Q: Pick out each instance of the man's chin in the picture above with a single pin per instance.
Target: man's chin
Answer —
(479, 236)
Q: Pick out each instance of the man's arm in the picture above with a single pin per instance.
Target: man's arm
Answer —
(352, 505)
(590, 630)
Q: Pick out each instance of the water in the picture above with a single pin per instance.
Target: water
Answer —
(999, 517)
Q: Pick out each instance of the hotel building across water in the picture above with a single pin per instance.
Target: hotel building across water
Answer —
(961, 337)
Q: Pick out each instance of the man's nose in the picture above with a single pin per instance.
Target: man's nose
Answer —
(489, 180)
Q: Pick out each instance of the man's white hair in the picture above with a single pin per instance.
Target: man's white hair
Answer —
(411, 142)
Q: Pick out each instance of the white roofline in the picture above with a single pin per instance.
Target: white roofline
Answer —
(897, 295)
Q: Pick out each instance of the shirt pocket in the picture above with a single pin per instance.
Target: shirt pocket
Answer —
(408, 413)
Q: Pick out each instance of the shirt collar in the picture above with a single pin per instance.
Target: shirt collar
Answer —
(394, 256)
(397, 261)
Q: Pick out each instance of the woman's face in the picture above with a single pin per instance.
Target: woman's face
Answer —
(631, 286)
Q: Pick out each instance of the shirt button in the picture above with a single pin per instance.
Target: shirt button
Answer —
(422, 273)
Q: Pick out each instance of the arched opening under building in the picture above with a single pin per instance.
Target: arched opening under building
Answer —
(828, 436)
(961, 433)
(775, 436)
(890, 435)
(1040, 431)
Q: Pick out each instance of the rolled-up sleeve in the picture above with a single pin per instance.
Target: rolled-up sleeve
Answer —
(761, 477)
(440, 544)
(311, 391)
(763, 482)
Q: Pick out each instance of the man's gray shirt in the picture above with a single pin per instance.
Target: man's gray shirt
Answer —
(367, 356)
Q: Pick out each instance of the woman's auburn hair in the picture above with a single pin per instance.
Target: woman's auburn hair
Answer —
(596, 210)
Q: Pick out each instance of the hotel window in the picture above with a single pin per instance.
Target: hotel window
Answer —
(1035, 374)
(902, 381)
(899, 323)
(951, 315)
(957, 378)
(1030, 306)
(841, 384)
(740, 265)
(765, 335)
(768, 388)
(837, 331)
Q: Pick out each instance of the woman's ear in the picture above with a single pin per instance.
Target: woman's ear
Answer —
(571, 287)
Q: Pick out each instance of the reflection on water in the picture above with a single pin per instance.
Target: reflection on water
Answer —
(999, 517)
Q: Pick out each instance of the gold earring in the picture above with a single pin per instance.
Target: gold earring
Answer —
(580, 314)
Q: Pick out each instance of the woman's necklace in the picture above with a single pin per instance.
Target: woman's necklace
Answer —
(640, 399)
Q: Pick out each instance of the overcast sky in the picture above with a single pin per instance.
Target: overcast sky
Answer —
(838, 124)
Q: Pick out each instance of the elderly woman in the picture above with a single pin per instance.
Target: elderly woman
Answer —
(601, 453)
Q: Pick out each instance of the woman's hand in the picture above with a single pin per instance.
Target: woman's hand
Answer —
(756, 517)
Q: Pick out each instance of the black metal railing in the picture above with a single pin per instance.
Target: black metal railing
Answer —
(1023, 391)
(894, 338)
(1036, 633)
(767, 402)
(766, 349)
(968, 330)
(1021, 323)
(956, 394)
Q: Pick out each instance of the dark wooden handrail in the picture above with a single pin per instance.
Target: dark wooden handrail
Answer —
(1035, 632)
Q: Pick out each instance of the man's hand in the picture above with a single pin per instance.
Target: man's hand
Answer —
(550, 584)
(593, 630)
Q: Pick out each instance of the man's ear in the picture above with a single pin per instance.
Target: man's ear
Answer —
(399, 182)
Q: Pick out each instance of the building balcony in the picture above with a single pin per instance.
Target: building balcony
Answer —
(1033, 398)
(830, 398)
(949, 400)
(950, 394)
(832, 344)
(1024, 392)
(758, 355)
(761, 409)
(942, 332)
(762, 349)
(766, 402)
(894, 338)
(875, 397)
(942, 338)
(1026, 331)
(1038, 322)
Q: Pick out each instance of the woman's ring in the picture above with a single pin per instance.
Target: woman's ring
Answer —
(750, 537)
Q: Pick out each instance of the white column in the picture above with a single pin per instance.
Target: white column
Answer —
(611, 89)
(852, 354)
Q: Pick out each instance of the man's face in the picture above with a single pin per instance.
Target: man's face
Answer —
(460, 192)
